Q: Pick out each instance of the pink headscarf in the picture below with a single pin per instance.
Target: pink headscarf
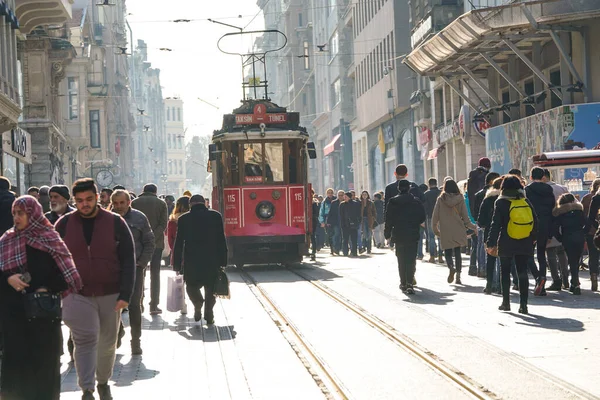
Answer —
(39, 234)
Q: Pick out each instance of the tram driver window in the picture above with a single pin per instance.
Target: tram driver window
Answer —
(274, 162)
(253, 163)
(293, 162)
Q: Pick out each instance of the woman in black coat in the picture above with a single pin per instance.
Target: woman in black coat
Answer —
(508, 248)
(569, 229)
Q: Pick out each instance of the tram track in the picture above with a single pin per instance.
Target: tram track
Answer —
(325, 376)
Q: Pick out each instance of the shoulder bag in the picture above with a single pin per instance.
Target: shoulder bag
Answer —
(221, 286)
(43, 306)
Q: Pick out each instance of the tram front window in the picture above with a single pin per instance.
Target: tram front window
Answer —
(274, 162)
(263, 163)
(253, 163)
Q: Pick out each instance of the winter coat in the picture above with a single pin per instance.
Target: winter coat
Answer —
(558, 191)
(156, 211)
(143, 238)
(324, 211)
(350, 216)
(403, 219)
(391, 190)
(315, 216)
(486, 211)
(450, 221)
(594, 209)
(498, 235)
(429, 199)
(569, 223)
(475, 183)
(370, 212)
(586, 202)
(479, 197)
(172, 232)
(7, 199)
(200, 245)
(333, 218)
(379, 211)
(541, 196)
(468, 204)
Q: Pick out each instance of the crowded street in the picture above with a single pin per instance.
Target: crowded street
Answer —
(282, 335)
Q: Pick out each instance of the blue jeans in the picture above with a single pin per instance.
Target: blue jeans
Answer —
(481, 254)
(366, 234)
(336, 238)
(434, 250)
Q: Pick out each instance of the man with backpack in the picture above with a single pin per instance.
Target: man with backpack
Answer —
(541, 196)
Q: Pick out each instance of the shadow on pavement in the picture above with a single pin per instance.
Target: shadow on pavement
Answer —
(208, 334)
(277, 273)
(428, 296)
(134, 370)
(559, 324)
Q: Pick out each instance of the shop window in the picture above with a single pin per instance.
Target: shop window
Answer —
(73, 93)
(555, 101)
(95, 128)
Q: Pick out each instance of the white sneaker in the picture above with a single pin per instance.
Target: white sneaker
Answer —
(184, 309)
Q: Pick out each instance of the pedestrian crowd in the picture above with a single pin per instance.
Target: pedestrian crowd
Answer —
(508, 226)
(79, 256)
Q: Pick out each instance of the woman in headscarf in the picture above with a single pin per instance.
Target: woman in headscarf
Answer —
(32, 251)
(182, 205)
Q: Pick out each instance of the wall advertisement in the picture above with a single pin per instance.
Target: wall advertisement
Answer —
(571, 127)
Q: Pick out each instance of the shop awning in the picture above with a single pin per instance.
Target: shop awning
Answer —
(333, 145)
(472, 39)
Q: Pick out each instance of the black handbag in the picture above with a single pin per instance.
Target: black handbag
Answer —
(221, 286)
(43, 306)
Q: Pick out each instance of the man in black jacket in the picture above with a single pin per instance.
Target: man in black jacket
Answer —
(541, 196)
(429, 199)
(7, 198)
(333, 223)
(403, 221)
(477, 181)
(200, 250)
(479, 258)
(59, 203)
(350, 219)
(380, 218)
(391, 190)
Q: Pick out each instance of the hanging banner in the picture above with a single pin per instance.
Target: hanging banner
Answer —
(381, 141)
(464, 124)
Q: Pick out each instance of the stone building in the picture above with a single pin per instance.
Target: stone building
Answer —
(176, 157)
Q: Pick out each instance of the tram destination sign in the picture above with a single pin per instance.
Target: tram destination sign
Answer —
(260, 116)
(250, 119)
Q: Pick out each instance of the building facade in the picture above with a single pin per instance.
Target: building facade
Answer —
(176, 157)
(383, 132)
(499, 75)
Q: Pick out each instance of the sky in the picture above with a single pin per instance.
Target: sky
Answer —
(195, 68)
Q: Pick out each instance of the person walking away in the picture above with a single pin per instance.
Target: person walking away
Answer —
(486, 213)
(472, 243)
(181, 207)
(350, 218)
(429, 199)
(143, 239)
(403, 220)
(391, 190)
(481, 253)
(422, 236)
(475, 183)
(7, 198)
(555, 251)
(31, 359)
(44, 198)
(569, 228)
(334, 223)
(156, 211)
(200, 250)
(369, 217)
(594, 254)
(315, 223)
(380, 219)
(450, 222)
(34, 192)
(59, 203)
(512, 235)
(323, 214)
(170, 201)
(541, 197)
(103, 250)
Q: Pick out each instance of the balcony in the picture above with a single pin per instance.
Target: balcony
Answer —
(33, 13)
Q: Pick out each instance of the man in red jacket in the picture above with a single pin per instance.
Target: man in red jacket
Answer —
(103, 250)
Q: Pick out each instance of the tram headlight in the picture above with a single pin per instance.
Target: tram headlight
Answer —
(265, 210)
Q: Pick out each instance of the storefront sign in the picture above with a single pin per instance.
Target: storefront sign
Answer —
(464, 123)
(388, 134)
(570, 127)
(447, 132)
(17, 142)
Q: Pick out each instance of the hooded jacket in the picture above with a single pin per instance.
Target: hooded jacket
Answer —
(569, 223)
(498, 235)
(475, 183)
(324, 211)
(541, 196)
(486, 211)
(450, 220)
(403, 219)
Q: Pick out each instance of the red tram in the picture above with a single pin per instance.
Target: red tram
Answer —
(259, 161)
